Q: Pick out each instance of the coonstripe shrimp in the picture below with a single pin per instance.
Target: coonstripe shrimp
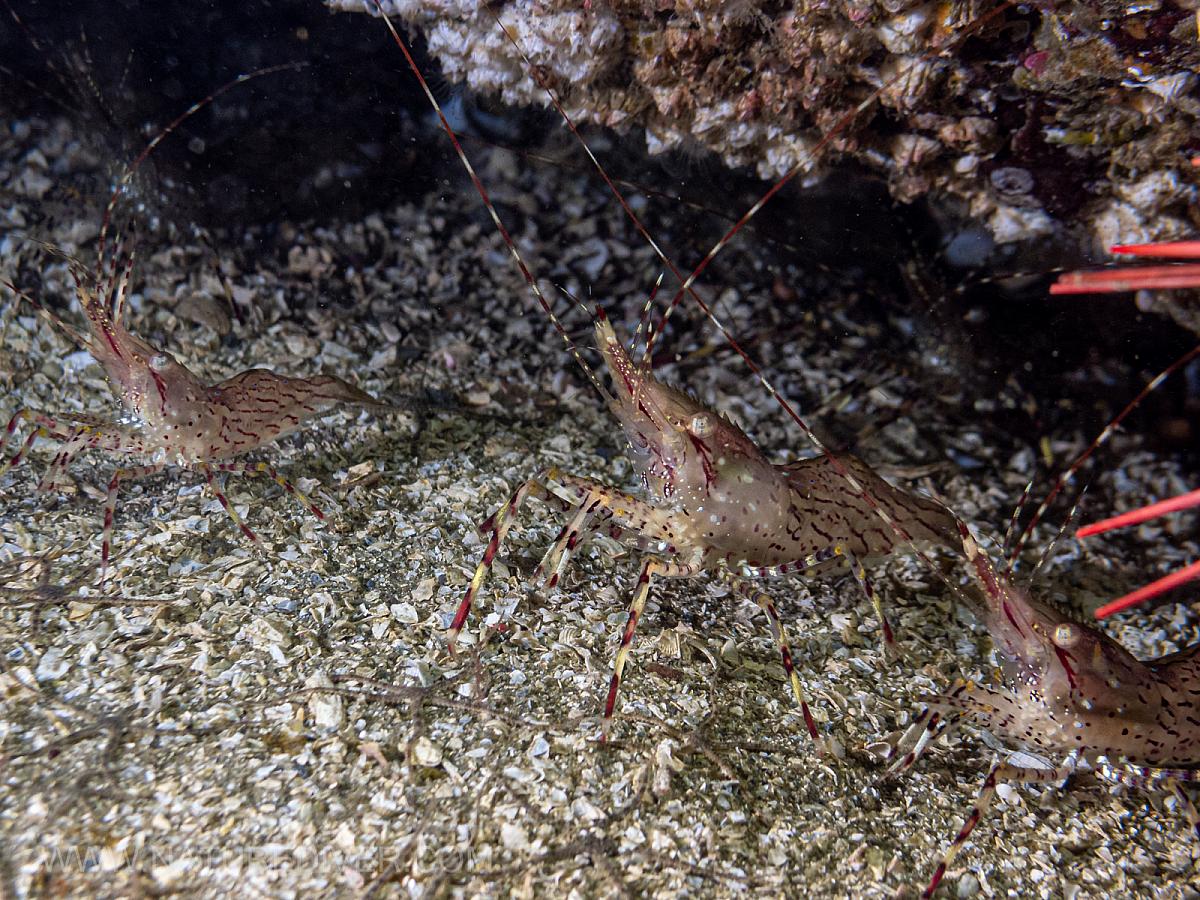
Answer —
(1066, 690)
(1069, 692)
(712, 502)
(169, 415)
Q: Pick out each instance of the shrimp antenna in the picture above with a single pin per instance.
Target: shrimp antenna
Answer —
(1014, 522)
(1123, 278)
(487, 201)
(1049, 548)
(55, 322)
(132, 168)
(1066, 477)
(645, 323)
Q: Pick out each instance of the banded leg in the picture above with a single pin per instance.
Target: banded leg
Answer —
(652, 566)
(76, 442)
(856, 569)
(980, 701)
(928, 725)
(44, 427)
(1146, 778)
(210, 477)
(110, 508)
(796, 565)
(891, 652)
(262, 468)
(572, 535)
(629, 513)
(998, 773)
(497, 525)
(88, 436)
(767, 605)
(540, 487)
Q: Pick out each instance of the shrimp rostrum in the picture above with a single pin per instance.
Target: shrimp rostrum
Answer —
(1068, 692)
(713, 503)
(169, 416)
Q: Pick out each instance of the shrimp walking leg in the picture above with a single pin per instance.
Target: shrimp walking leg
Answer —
(96, 435)
(210, 475)
(890, 651)
(110, 507)
(928, 725)
(496, 526)
(262, 468)
(651, 567)
(767, 605)
(577, 528)
(72, 445)
(1000, 772)
(44, 427)
(627, 512)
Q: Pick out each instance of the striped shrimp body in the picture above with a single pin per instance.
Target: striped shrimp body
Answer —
(1069, 692)
(731, 501)
(169, 415)
(713, 503)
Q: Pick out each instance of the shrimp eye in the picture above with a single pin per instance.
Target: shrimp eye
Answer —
(701, 425)
(159, 361)
(1066, 636)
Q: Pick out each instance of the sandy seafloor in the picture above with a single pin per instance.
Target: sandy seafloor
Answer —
(191, 745)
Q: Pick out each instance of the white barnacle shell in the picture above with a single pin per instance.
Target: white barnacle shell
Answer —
(913, 149)
(1134, 215)
(1156, 189)
(1010, 223)
(1123, 222)
(906, 79)
(786, 151)
(1169, 87)
(904, 33)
